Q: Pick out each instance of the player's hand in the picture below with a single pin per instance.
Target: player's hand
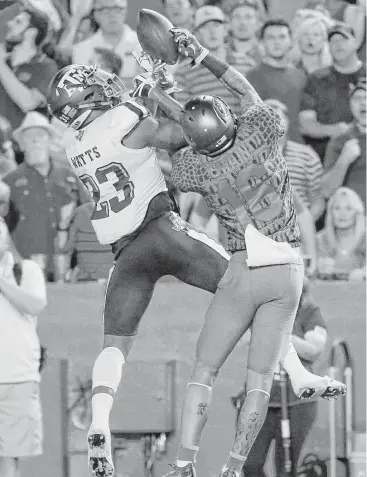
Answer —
(188, 44)
(164, 78)
(143, 84)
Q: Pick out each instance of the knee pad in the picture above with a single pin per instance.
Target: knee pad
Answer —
(260, 382)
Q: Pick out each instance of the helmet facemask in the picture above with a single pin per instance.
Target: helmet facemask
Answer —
(102, 91)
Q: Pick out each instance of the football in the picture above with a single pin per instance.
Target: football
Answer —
(155, 38)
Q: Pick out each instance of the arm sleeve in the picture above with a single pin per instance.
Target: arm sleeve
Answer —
(267, 117)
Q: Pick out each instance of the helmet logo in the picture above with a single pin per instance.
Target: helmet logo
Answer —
(73, 80)
(221, 110)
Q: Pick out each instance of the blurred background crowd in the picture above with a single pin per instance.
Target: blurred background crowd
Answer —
(309, 65)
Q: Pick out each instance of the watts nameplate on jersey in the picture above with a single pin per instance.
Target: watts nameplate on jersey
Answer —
(122, 181)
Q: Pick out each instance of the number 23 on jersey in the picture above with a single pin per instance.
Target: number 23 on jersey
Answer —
(118, 176)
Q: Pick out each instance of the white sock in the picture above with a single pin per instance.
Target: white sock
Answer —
(292, 364)
(106, 372)
(182, 463)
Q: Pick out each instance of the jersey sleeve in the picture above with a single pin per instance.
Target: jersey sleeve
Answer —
(264, 117)
(126, 117)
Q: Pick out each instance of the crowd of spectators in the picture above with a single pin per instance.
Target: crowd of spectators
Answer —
(310, 69)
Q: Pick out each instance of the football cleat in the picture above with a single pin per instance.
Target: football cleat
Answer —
(229, 473)
(187, 471)
(99, 454)
(324, 387)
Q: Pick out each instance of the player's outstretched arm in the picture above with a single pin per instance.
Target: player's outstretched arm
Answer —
(233, 80)
(148, 87)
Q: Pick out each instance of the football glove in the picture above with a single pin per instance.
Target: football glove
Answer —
(165, 79)
(188, 45)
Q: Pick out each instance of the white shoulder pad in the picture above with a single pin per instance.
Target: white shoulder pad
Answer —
(127, 115)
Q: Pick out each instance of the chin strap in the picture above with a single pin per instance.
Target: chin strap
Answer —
(80, 120)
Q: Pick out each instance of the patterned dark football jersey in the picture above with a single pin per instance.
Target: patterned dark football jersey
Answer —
(248, 184)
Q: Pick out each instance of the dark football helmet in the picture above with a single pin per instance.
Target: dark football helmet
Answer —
(208, 125)
(77, 90)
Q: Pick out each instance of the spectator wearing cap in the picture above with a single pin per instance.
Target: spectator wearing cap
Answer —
(211, 29)
(276, 77)
(325, 109)
(113, 33)
(354, 15)
(244, 49)
(43, 194)
(179, 12)
(304, 166)
(7, 157)
(25, 71)
(345, 158)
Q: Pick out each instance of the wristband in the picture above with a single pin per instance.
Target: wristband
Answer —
(204, 53)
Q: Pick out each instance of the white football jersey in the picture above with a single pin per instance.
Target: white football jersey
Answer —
(122, 181)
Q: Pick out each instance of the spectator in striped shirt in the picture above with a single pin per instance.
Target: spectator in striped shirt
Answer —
(244, 50)
(210, 27)
(304, 166)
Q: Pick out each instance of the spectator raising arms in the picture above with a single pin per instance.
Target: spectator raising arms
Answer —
(304, 166)
(345, 158)
(325, 109)
(276, 77)
(113, 33)
(342, 244)
(24, 71)
(43, 194)
(22, 298)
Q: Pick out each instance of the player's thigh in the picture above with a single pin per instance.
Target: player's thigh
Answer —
(192, 257)
(276, 290)
(228, 317)
(130, 286)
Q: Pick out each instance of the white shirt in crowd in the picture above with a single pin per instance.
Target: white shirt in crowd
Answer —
(83, 52)
(19, 342)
